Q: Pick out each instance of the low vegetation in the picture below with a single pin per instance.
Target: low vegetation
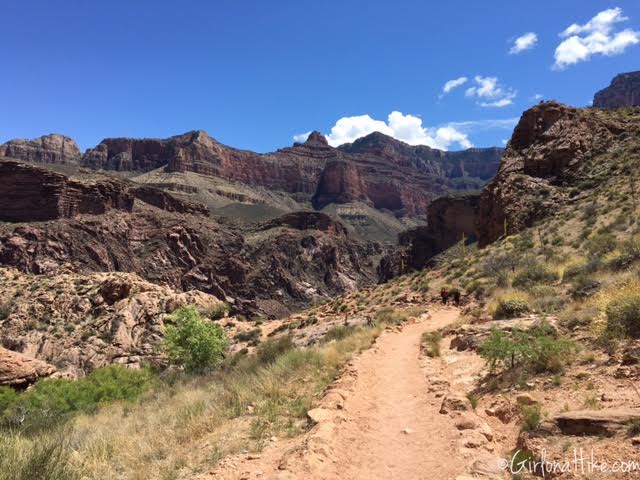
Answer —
(537, 349)
(193, 342)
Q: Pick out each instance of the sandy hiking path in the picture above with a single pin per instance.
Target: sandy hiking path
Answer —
(380, 420)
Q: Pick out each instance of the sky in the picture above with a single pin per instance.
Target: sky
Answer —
(260, 74)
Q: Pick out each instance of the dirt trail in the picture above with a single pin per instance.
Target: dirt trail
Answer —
(380, 421)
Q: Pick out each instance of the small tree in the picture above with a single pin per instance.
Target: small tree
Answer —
(193, 342)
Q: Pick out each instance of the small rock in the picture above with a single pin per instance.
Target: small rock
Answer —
(407, 431)
(454, 403)
(635, 440)
(526, 399)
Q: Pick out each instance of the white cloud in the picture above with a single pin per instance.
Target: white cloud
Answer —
(474, 126)
(455, 83)
(490, 93)
(524, 42)
(537, 96)
(596, 37)
(407, 128)
(301, 137)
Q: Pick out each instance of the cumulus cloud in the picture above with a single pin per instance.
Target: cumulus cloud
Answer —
(524, 42)
(596, 37)
(301, 137)
(489, 93)
(407, 128)
(455, 83)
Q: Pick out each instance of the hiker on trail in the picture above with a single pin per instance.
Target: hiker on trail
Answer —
(456, 297)
(444, 293)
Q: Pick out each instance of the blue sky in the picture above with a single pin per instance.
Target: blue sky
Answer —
(256, 73)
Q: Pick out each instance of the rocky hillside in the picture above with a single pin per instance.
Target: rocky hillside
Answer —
(624, 91)
(556, 155)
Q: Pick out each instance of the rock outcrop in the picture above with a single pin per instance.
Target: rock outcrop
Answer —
(307, 221)
(165, 201)
(54, 148)
(551, 150)
(29, 193)
(80, 322)
(20, 371)
(450, 219)
(624, 91)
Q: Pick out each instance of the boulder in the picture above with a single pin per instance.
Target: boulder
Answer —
(19, 370)
(454, 402)
(606, 422)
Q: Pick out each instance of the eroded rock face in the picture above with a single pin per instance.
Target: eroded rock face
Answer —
(340, 182)
(28, 193)
(54, 148)
(20, 371)
(307, 221)
(551, 149)
(624, 91)
(450, 220)
(165, 201)
(80, 322)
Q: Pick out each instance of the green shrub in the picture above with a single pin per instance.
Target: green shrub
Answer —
(511, 308)
(192, 342)
(473, 399)
(531, 417)
(623, 315)
(533, 274)
(537, 349)
(53, 399)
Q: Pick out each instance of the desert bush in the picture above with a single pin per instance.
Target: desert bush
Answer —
(338, 332)
(250, 336)
(431, 343)
(511, 306)
(623, 314)
(533, 274)
(538, 350)
(193, 342)
(531, 416)
(601, 244)
(5, 309)
(217, 311)
(269, 351)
